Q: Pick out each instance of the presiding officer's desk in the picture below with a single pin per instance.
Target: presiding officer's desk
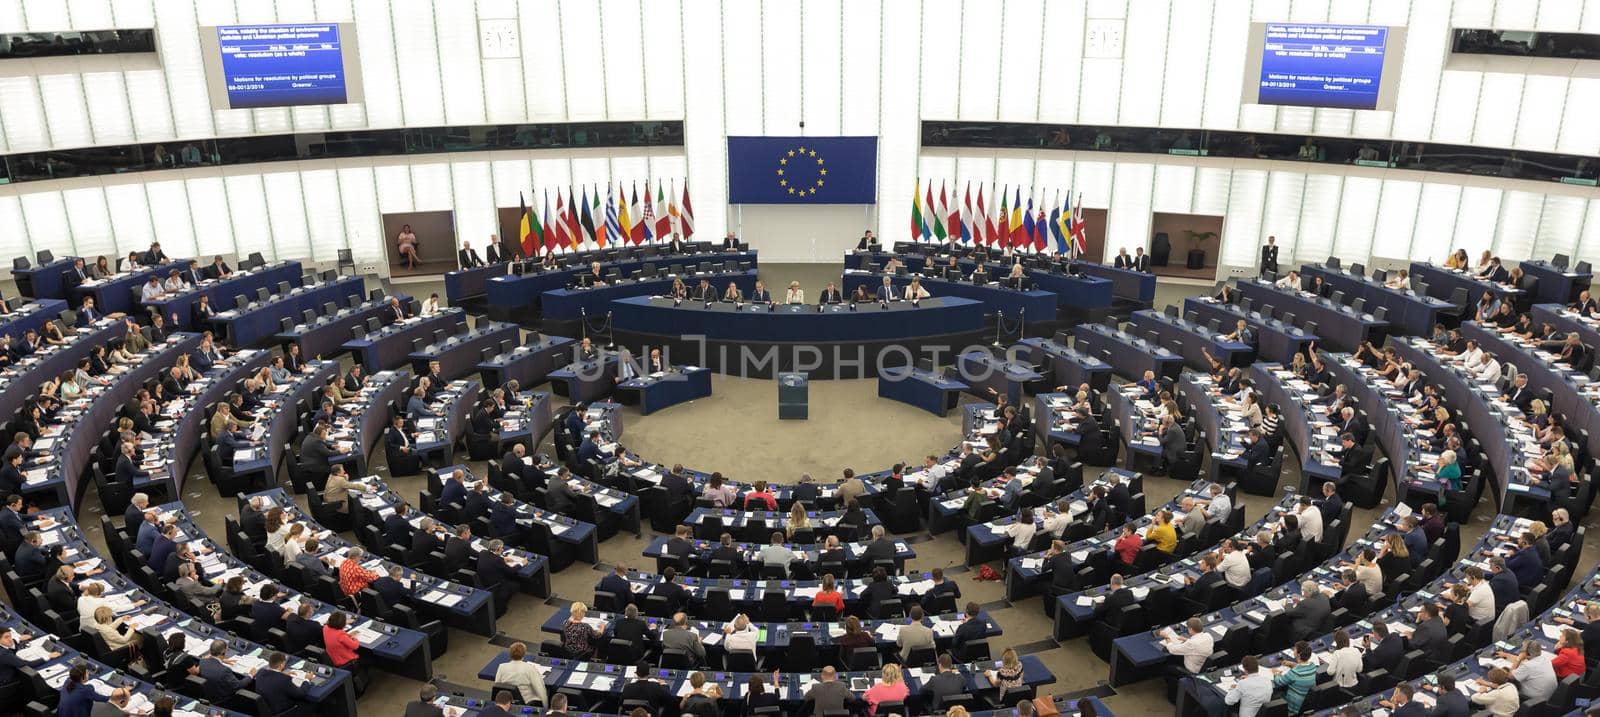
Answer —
(1031, 304)
(528, 364)
(1142, 654)
(572, 304)
(797, 322)
(1076, 294)
(514, 296)
(178, 306)
(1341, 327)
(832, 340)
(463, 285)
(331, 689)
(326, 334)
(389, 347)
(1409, 312)
(1070, 367)
(120, 292)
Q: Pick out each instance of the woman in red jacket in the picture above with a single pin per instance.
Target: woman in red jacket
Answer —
(340, 645)
(1569, 654)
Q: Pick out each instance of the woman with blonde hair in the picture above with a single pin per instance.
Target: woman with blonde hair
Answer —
(1394, 558)
(579, 638)
(890, 688)
(115, 630)
(798, 520)
(1009, 676)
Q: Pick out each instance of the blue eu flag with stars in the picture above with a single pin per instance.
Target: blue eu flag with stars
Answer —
(802, 170)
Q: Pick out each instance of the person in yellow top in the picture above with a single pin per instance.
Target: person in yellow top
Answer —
(1163, 533)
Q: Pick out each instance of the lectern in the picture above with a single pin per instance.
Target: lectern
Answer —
(793, 389)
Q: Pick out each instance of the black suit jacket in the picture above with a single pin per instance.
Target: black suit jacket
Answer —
(619, 586)
(1269, 258)
(634, 630)
(417, 708)
(1142, 263)
(469, 258)
(279, 691)
(457, 551)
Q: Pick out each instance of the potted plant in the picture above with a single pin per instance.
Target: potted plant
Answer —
(1197, 255)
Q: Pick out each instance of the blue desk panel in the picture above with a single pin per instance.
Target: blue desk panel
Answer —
(1033, 304)
(517, 292)
(222, 291)
(1126, 284)
(1409, 312)
(117, 293)
(1128, 356)
(527, 364)
(261, 322)
(326, 335)
(1555, 285)
(681, 385)
(573, 304)
(930, 392)
(799, 323)
(1339, 326)
(45, 281)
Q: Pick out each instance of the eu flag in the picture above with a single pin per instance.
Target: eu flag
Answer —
(802, 170)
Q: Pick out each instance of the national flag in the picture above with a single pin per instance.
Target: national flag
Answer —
(686, 215)
(1079, 235)
(525, 229)
(916, 211)
(1055, 228)
(613, 222)
(1002, 222)
(599, 234)
(639, 231)
(1041, 232)
(664, 219)
(587, 224)
(1029, 227)
(672, 212)
(932, 226)
(551, 221)
(952, 214)
(537, 234)
(988, 237)
(647, 220)
(624, 215)
(571, 218)
(1016, 219)
(966, 223)
(559, 236)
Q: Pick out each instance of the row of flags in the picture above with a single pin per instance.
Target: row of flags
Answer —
(622, 219)
(1013, 225)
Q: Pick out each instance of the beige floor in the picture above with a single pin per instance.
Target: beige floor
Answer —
(736, 431)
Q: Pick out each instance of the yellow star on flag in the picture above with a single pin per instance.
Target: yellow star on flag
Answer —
(822, 172)
(802, 150)
(791, 153)
(780, 173)
(784, 160)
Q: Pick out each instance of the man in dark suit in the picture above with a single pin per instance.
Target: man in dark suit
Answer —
(1199, 588)
(477, 503)
(617, 584)
(881, 548)
(1123, 260)
(396, 529)
(1354, 460)
(1257, 454)
(423, 706)
(458, 549)
(1430, 632)
(1384, 649)
(220, 681)
(971, 629)
(154, 255)
(1353, 596)
(11, 479)
(1089, 438)
(634, 629)
(12, 527)
(511, 464)
(468, 257)
(649, 691)
(676, 483)
(1519, 394)
(941, 587)
(730, 242)
(503, 518)
(1310, 610)
(1173, 442)
(886, 291)
(315, 453)
(868, 242)
(278, 690)
(830, 295)
(1141, 261)
(705, 292)
(454, 491)
(266, 611)
(944, 683)
(301, 630)
(389, 587)
(491, 252)
(87, 313)
(1331, 504)
(425, 539)
(1269, 256)
(396, 312)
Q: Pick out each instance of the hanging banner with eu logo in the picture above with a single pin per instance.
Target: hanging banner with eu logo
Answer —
(802, 170)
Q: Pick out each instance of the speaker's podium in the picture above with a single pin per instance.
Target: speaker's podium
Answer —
(793, 390)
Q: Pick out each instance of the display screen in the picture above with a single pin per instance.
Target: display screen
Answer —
(1322, 65)
(282, 65)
